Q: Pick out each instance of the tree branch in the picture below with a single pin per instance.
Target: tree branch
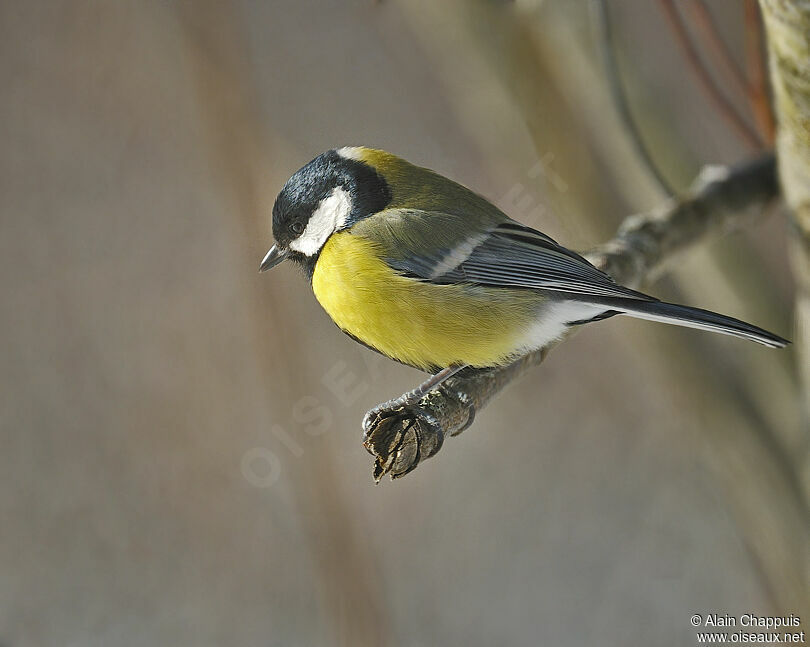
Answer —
(723, 104)
(400, 439)
(787, 23)
(620, 100)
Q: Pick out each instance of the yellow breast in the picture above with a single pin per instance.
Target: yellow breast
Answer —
(415, 322)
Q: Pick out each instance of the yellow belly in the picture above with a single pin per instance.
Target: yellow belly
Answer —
(415, 322)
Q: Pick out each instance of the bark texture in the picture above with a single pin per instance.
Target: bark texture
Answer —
(787, 23)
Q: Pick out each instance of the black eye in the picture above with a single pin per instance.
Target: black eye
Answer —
(297, 227)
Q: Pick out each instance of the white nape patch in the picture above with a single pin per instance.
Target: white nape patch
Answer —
(351, 152)
(552, 321)
(328, 217)
(457, 255)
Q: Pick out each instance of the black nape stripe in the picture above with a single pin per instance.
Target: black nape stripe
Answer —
(369, 191)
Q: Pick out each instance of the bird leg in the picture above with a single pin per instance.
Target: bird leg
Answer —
(393, 433)
(412, 397)
(427, 386)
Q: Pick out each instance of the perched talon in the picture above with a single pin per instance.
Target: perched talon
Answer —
(407, 453)
(382, 436)
(400, 438)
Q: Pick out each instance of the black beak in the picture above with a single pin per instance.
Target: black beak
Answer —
(273, 258)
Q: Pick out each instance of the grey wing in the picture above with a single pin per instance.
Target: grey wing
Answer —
(513, 255)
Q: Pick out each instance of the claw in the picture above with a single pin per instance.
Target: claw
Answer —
(400, 439)
(408, 451)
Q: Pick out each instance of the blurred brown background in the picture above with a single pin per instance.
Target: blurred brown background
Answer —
(160, 482)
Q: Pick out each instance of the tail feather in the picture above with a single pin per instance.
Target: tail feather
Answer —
(691, 318)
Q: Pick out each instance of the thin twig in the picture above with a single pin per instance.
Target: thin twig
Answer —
(754, 86)
(619, 96)
(702, 18)
(722, 103)
(759, 94)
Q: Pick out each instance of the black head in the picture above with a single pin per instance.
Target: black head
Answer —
(330, 193)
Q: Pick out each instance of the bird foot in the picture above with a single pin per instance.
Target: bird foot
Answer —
(400, 438)
(402, 433)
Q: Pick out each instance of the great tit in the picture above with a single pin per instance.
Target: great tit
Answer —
(433, 275)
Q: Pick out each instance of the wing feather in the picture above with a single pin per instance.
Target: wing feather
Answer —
(507, 255)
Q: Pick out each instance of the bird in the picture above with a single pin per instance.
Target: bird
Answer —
(433, 275)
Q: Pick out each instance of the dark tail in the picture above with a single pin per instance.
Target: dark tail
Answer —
(691, 318)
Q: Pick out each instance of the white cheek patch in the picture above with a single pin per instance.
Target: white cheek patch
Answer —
(330, 215)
